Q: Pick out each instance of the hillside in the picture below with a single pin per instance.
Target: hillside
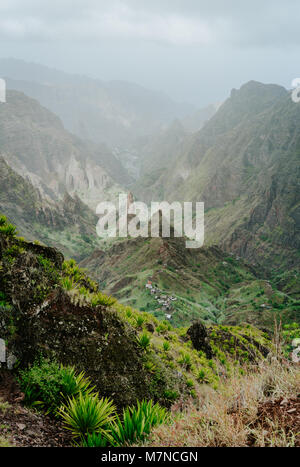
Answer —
(113, 112)
(52, 313)
(53, 308)
(67, 224)
(184, 285)
(36, 145)
(244, 164)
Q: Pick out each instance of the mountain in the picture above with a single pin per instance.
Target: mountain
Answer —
(50, 308)
(156, 153)
(36, 145)
(196, 120)
(114, 112)
(151, 154)
(162, 277)
(244, 164)
(67, 224)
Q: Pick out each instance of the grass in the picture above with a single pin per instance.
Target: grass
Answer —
(4, 406)
(87, 414)
(4, 443)
(47, 384)
(137, 422)
(227, 417)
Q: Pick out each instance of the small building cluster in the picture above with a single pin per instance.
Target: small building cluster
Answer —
(164, 300)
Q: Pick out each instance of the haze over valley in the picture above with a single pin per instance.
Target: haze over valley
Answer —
(184, 103)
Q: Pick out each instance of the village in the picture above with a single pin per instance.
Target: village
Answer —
(162, 299)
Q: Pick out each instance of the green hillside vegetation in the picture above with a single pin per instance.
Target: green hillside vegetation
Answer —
(68, 225)
(169, 360)
(244, 164)
(207, 284)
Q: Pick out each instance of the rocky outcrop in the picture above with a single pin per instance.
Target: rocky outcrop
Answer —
(54, 223)
(200, 339)
(93, 340)
(37, 146)
(40, 317)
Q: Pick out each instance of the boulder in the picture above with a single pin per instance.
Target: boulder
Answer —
(199, 337)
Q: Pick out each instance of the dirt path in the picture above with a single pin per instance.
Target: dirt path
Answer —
(23, 427)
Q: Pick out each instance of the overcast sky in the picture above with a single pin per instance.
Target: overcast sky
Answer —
(194, 50)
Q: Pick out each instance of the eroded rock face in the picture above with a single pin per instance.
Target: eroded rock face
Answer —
(43, 319)
(199, 337)
(93, 340)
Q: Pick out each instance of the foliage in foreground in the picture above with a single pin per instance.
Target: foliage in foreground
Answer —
(94, 422)
(137, 422)
(86, 415)
(47, 384)
(229, 416)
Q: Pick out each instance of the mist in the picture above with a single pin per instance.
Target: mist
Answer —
(195, 51)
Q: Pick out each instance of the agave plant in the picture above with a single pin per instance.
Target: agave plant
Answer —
(67, 283)
(102, 299)
(144, 341)
(8, 229)
(87, 414)
(185, 360)
(74, 383)
(201, 376)
(166, 346)
(47, 385)
(139, 321)
(3, 220)
(94, 440)
(137, 422)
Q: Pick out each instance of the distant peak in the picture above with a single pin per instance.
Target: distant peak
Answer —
(257, 88)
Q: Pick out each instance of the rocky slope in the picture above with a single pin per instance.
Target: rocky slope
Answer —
(114, 112)
(244, 164)
(50, 307)
(161, 276)
(68, 224)
(36, 145)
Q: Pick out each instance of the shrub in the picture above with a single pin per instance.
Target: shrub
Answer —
(137, 422)
(144, 341)
(94, 440)
(87, 414)
(46, 385)
(171, 395)
(185, 360)
(67, 283)
(166, 346)
(8, 229)
(101, 299)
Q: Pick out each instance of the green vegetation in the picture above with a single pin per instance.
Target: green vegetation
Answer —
(6, 228)
(290, 333)
(4, 443)
(144, 341)
(137, 422)
(86, 415)
(46, 385)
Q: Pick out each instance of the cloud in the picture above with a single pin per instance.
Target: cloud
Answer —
(119, 21)
(175, 22)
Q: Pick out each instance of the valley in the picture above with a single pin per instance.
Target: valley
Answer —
(151, 324)
(242, 161)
